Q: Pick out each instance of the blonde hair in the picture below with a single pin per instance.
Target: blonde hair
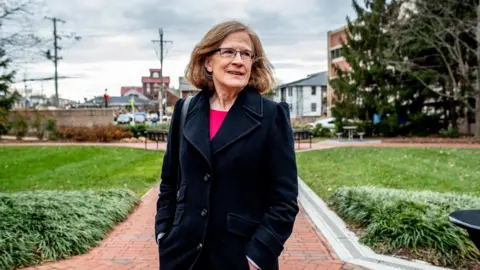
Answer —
(261, 77)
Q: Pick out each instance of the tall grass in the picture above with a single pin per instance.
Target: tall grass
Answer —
(410, 222)
(50, 225)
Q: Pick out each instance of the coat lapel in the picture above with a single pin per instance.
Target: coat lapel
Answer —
(241, 119)
(197, 126)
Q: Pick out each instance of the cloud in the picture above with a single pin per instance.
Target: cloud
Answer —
(116, 47)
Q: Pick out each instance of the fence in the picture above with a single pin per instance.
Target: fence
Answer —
(73, 117)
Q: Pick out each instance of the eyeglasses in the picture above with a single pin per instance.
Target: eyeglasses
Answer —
(232, 53)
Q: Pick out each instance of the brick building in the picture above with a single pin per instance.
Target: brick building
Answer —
(335, 58)
(151, 86)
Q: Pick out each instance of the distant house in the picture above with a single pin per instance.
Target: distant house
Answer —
(117, 102)
(135, 93)
(186, 89)
(306, 97)
(38, 100)
(129, 89)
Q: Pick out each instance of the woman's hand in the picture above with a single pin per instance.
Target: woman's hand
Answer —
(251, 266)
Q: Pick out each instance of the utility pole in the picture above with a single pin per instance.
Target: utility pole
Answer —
(161, 90)
(55, 56)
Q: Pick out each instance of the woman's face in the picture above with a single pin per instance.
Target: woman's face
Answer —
(231, 64)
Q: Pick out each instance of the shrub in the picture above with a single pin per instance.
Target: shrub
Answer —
(319, 131)
(367, 127)
(20, 124)
(5, 126)
(163, 127)
(54, 136)
(394, 220)
(51, 225)
(38, 125)
(450, 133)
(93, 134)
(423, 125)
(137, 130)
(51, 125)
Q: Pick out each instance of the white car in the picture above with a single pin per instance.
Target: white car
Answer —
(326, 123)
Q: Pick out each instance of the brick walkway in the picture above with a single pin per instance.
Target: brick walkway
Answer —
(131, 246)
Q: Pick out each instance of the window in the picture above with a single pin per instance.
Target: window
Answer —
(290, 92)
(290, 107)
(282, 95)
(336, 53)
(314, 107)
(314, 91)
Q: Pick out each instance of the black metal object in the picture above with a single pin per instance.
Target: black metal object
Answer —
(299, 135)
(470, 221)
(155, 135)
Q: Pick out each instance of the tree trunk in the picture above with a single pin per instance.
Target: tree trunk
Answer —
(453, 115)
(477, 86)
(477, 112)
(467, 119)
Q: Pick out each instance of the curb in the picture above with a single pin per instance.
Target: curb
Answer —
(344, 242)
(148, 192)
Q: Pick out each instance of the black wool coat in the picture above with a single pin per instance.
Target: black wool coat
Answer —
(238, 192)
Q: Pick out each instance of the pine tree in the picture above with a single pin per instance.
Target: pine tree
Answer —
(372, 86)
(7, 98)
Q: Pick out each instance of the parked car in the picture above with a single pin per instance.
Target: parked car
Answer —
(140, 118)
(326, 123)
(123, 119)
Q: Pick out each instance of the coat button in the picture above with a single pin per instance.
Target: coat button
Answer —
(200, 246)
(206, 177)
(204, 212)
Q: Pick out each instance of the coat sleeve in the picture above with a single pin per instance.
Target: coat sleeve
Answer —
(169, 176)
(276, 226)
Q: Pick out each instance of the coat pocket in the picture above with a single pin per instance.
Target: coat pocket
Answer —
(241, 226)
(178, 214)
(181, 193)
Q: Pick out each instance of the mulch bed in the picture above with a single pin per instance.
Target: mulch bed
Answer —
(432, 139)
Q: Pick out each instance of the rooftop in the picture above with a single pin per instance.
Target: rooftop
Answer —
(314, 79)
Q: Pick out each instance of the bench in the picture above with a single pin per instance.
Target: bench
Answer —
(155, 135)
(299, 135)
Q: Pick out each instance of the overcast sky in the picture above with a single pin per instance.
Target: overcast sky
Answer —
(116, 48)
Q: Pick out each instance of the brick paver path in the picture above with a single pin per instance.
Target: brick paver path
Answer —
(131, 246)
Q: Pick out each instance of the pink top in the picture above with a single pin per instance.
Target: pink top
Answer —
(216, 120)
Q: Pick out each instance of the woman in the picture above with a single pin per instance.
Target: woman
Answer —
(236, 201)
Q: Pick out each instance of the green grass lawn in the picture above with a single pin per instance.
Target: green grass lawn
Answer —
(436, 169)
(78, 167)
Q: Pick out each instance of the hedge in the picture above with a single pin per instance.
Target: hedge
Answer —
(38, 226)
(409, 223)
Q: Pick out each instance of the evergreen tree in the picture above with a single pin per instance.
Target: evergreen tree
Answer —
(372, 86)
(7, 98)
